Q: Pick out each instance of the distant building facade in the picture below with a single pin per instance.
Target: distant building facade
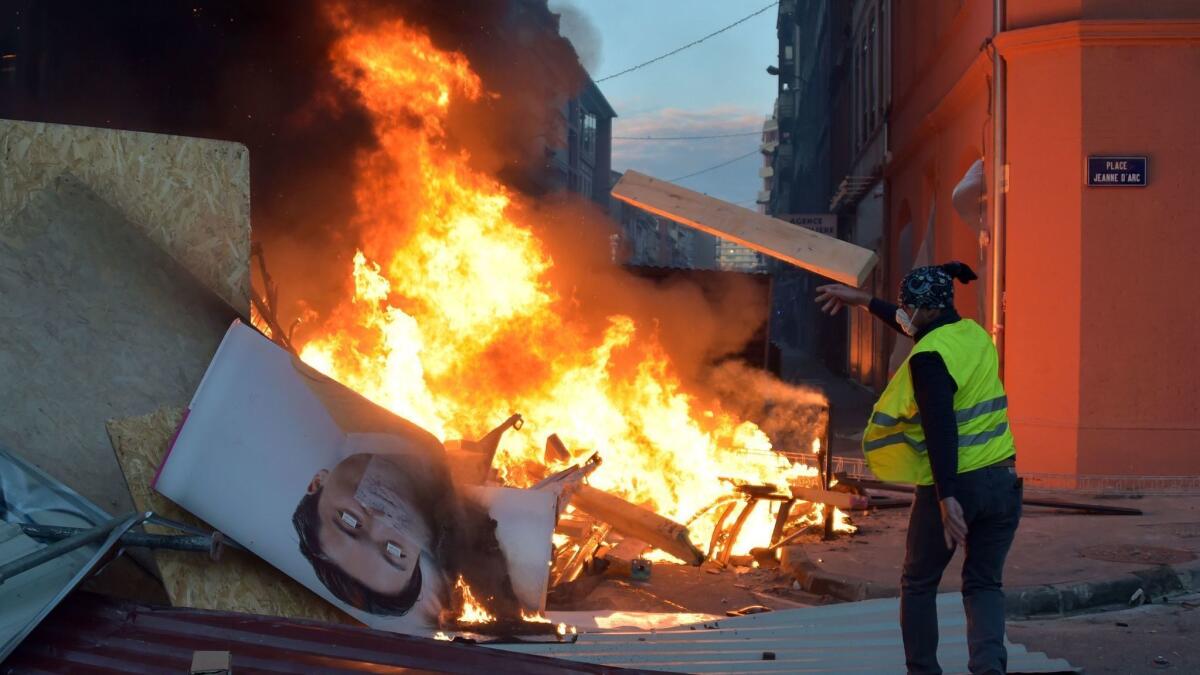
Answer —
(647, 240)
(811, 75)
(737, 258)
(579, 153)
(575, 141)
(770, 141)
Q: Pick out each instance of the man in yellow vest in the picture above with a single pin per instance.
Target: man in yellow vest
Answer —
(942, 425)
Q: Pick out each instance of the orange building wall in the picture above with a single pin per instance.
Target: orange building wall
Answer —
(1042, 327)
(936, 133)
(1140, 377)
(1030, 13)
(1101, 317)
(1027, 13)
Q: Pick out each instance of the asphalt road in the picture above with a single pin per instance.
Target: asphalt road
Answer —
(1147, 639)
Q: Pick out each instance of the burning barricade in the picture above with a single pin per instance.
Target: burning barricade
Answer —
(371, 513)
(461, 312)
(357, 457)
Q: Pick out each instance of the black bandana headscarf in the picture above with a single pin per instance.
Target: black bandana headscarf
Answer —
(933, 287)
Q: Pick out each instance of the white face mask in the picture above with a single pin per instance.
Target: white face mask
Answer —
(906, 322)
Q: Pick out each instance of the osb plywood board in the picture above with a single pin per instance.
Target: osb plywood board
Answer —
(98, 322)
(828, 256)
(191, 196)
(238, 582)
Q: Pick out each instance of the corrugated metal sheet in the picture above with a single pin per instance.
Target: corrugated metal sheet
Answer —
(29, 596)
(859, 637)
(90, 633)
(29, 496)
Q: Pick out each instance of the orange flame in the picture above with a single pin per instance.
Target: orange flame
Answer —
(453, 323)
(841, 522)
(472, 611)
(534, 617)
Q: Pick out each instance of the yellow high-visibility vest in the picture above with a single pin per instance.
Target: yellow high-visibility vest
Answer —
(894, 441)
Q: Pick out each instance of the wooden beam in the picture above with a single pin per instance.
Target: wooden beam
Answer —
(632, 520)
(830, 257)
(842, 500)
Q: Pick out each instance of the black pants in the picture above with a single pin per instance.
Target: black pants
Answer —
(991, 503)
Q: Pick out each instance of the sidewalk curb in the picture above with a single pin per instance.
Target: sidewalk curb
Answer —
(1050, 599)
(795, 561)
(1070, 597)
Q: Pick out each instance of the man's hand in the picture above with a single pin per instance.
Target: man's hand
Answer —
(835, 296)
(954, 526)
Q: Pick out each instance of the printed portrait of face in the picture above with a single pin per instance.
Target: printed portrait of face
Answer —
(365, 528)
(384, 529)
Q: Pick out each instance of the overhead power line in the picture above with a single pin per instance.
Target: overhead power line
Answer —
(673, 52)
(716, 166)
(685, 138)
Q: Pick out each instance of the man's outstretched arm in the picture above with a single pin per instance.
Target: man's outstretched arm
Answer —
(835, 296)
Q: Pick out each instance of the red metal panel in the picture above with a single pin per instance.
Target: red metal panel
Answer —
(90, 633)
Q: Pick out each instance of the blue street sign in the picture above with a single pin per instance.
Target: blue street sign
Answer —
(1111, 171)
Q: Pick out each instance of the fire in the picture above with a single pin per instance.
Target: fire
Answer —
(453, 323)
(841, 522)
(472, 611)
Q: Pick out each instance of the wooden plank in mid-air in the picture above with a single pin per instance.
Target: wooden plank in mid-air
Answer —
(828, 256)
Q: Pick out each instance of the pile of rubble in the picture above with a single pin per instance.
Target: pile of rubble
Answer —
(600, 535)
(124, 275)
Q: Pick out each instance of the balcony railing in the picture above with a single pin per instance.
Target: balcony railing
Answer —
(787, 107)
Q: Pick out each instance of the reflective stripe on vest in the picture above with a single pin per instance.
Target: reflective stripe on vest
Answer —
(960, 416)
(963, 441)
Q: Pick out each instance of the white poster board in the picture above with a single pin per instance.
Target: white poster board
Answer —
(345, 497)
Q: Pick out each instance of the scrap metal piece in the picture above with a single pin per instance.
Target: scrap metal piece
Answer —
(565, 483)
(789, 538)
(81, 538)
(471, 461)
(737, 644)
(634, 521)
(826, 458)
(125, 636)
(573, 565)
(639, 569)
(785, 512)
(491, 441)
(571, 474)
(556, 450)
(748, 610)
(720, 546)
(719, 534)
(30, 495)
(27, 599)
(212, 544)
(736, 530)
